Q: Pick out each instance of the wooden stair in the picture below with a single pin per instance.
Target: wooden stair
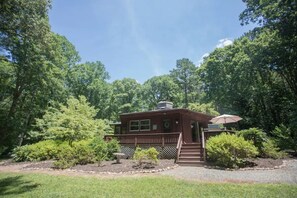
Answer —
(191, 155)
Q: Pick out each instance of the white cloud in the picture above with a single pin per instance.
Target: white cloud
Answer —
(224, 42)
(200, 61)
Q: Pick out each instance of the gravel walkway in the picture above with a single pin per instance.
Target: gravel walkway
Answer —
(287, 174)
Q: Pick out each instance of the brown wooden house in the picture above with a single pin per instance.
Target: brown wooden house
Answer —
(176, 133)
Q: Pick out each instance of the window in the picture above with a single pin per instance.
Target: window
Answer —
(145, 125)
(134, 125)
(140, 125)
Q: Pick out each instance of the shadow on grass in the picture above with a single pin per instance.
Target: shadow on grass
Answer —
(16, 185)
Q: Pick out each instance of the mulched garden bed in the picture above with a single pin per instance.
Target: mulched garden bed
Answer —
(255, 163)
(109, 166)
(265, 162)
(130, 166)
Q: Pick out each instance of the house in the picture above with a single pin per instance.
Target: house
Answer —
(175, 133)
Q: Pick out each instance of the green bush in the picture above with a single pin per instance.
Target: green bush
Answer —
(79, 153)
(99, 147)
(257, 136)
(270, 150)
(65, 157)
(285, 137)
(266, 147)
(150, 154)
(21, 153)
(83, 152)
(113, 146)
(229, 150)
(104, 150)
(42, 150)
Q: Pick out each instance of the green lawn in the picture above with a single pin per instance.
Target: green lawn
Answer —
(42, 185)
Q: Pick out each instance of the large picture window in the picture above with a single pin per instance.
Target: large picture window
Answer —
(140, 125)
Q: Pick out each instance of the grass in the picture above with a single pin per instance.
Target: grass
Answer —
(43, 185)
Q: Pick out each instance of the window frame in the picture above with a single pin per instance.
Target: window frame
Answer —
(130, 125)
(149, 125)
(139, 125)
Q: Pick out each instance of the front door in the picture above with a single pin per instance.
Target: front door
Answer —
(195, 131)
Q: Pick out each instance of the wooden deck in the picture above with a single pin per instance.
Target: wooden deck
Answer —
(147, 138)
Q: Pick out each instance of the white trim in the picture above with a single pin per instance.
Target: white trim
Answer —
(149, 125)
(139, 125)
(134, 125)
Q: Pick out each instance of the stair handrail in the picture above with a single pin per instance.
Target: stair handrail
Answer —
(179, 145)
(203, 145)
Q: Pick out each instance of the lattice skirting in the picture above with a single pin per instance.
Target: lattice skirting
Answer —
(166, 152)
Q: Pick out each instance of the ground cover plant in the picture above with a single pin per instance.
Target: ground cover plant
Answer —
(43, 185)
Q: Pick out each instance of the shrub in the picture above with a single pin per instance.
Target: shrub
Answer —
(150, 154)
(104, 150)
(113, 146)
(270, 150)
(79, 153)
(266, 147)
(99, 147)
(21, 153)
(285, 137)
(229, 150)
(42, 150)
(72, 122)
(83, 153)
(257, 136)
(65, 157)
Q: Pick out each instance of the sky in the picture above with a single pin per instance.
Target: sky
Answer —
(140, 39)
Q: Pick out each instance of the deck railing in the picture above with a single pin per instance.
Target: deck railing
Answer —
(148, 138)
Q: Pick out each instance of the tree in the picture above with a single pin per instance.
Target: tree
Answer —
(280, 18)
(89, 79)
(185, 76)
(160, 88)
(35, 64)
(72, 122)
(206, 108)
(237, 79)
(125, 97)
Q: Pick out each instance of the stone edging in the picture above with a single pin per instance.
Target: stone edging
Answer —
(126, 172)
(106, 172)
(249, 168)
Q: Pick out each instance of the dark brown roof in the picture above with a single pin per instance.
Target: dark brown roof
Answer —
(162, 111)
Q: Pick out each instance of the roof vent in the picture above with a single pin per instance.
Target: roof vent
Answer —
(164, 105)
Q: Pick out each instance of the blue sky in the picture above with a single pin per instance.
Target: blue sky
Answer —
(141, 39)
